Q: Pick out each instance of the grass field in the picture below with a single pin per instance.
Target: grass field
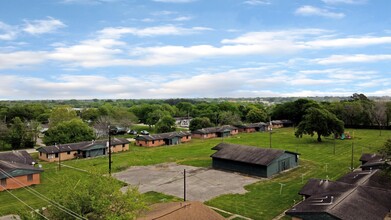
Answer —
(263, 200)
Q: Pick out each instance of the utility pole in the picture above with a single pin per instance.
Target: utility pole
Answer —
(270, 132)
(59, 157)
(184, 185)
(109, 151)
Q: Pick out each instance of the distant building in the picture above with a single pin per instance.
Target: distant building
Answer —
(181, 211)
(212, 132)
(372, 161)
(17, 170)
(169, 138)
(262, 162)
(253, 127)
(183, 122)
(81, 149)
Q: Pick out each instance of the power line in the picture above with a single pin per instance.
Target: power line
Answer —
(24, 203)
(43, 197)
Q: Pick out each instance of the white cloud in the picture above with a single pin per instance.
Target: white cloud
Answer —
(7, 32)
(344, 1)
(42, 26)
(308, 10)
(257, 2)
(21, 59)
(174, 1)
(347, 42)
(117, 32)
(355, 58)
(182, 18)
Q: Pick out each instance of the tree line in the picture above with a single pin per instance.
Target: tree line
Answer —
(73, 120)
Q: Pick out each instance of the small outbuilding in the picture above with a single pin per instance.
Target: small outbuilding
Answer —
(262, 162)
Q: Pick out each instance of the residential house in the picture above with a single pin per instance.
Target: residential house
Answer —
(170, 138)
(181, 211)
(357, 195)
(262, 162)
(212, 132)
(17, 170)
(81, 149)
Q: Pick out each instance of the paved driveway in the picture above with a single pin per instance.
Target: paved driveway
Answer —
(202, 184)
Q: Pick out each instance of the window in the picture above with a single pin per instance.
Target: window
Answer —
(56, 155)
(3, 182)
(153, 142)
(29, 177)
(40, 154)
(123, 145)
(68, 152)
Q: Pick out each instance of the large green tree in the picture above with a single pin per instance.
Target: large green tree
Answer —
(199, 122)
(256, 115)
(321, 122)
(166, 124)
(71, 131)
(61, 114)
(19, 136)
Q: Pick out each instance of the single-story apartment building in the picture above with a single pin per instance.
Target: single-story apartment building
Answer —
(169, 138)
(212, 132)
(262, 162)
(17, 170)
(81, 149)
(357, 195)
(253, 127)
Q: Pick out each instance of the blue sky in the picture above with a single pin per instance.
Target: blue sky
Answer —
(131, 49)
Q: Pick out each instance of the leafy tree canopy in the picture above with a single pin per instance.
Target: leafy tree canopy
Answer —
(61, 114)
(200, 122)
(166, 124)
(256, 115)
(71, 131)
(320, 121)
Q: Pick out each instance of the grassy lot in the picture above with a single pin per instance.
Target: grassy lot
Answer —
(263, 201)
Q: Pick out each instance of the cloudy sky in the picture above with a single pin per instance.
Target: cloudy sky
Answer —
(130, 49)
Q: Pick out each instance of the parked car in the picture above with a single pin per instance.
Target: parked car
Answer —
(144, 132)
(117, 130)
(132, 132)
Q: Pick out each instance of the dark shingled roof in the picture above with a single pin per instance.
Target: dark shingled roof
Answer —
(17, 163)
(80, 145)
(215, 129)
(246, 154)
(161, 136)
(252, 125)
(358, 195)
(17, 156)
(370, 157)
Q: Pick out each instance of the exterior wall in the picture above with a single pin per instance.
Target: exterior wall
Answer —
(250, 169)
(154, 143)
(19, 181)
(276, 166)
(249, 130)
(235, 131)
(186, 138)
(119, 148)
(69, 155)
(205, 136)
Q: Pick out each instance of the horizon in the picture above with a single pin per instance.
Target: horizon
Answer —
(173, 49)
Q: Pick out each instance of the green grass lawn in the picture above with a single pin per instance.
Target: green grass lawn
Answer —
(263, 200)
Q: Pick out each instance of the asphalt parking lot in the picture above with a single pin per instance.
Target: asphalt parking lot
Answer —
(202, 184)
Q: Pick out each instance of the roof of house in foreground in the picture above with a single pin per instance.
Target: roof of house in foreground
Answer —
(247, 154)
(354, 196)
(181, 211)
